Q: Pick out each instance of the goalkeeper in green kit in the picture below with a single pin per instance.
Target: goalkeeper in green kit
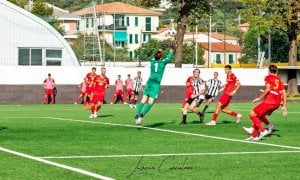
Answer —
(152, 86)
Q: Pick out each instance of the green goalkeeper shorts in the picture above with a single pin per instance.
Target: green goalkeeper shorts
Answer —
(152, 89)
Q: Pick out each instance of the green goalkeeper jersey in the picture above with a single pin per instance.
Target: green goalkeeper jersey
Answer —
(157, 67)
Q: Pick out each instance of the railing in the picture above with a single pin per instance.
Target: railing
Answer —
(112, 27)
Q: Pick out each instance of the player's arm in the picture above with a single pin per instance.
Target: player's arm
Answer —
(237, 87)
(284, 100)
(169, 56)
(264, 93)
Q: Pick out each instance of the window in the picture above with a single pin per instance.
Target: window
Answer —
(130, 55)
(148, 24)
(87, 22)
(144, 37)
(218, 58)
(77, 25)
(136, 21)
(136, 37)
(92, 22)
(24, 56)
(36, 57)
(51, 53)
(130, 39)
(53, 57)
(230, 57)
(39, 57)
(127, 21)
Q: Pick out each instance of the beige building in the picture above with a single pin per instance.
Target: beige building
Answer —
(120, 24)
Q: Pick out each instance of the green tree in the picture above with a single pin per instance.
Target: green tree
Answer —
(187, 9)
(20, 3)
(40, 9)
(281, 15)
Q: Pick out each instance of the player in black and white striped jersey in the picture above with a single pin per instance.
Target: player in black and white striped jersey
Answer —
(137, 87)
(214, 86)
(196, 98)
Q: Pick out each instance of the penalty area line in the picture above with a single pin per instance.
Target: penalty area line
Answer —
(177, 132)
(162, 155)
(77, 170)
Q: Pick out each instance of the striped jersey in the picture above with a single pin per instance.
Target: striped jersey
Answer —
(137, 87)
(199, 85)
(213, 87)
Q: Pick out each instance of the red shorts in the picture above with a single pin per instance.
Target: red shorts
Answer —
(82, 93)
(49, 91)
(88, 90)
(129, 91)
(263, 109)
(225, 100)
(97, 99)
(119, 92)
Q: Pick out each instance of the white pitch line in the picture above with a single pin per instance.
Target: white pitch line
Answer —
(77, 170)
(161, 155)
(177, 132)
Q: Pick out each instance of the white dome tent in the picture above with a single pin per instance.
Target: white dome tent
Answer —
(27, 40)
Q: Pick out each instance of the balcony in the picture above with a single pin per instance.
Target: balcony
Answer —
(112, 27)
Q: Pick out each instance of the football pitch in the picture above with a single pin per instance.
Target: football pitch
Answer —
(61, 142)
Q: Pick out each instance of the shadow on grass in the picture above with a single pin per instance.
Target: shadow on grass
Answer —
(228, 122)
(107, 115)
(2, 128)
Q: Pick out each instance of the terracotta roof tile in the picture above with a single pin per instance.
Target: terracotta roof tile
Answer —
(117, 7)
(221, 36)
(219, 47)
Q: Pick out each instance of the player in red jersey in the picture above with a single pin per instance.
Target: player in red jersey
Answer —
(90, 78)
(118, 90)
(83, 94)
(231, 86)
(129, 87)
(188, 90)
(48, 85)
(274, 93)
(98, 92)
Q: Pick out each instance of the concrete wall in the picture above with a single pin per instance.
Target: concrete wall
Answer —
(23, 85)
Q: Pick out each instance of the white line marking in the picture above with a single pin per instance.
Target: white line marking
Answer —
(161, 155)
(177, 132)
(81, 171)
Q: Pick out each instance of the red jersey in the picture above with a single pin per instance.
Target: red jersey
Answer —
(189, 83)
(231, 82)
(276, 87)
(101, 82)
(91, 77)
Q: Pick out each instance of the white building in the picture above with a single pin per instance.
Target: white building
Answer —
(27, 40)
(127, 25)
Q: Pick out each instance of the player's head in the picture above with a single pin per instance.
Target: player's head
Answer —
(139, 73)
(128, 75)
(93, 69)
(103, 70)
(49, 75)
(273, 69)
(216, 74)
(228, 69)
(158, 55)
(119, 76)
(196, 73)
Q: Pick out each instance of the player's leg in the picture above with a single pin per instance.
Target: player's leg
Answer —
(194, 108)
(233, 114)
(215, 115)
(121, 93)
(255, 115)
(46, 97)
(148, 106)
(92, 109)
(113, 99)
(208, 100)
(185, 110)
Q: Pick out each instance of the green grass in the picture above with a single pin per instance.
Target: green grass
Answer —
(33, 130)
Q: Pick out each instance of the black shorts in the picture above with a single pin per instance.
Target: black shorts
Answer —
(136, 93)
(197, 101)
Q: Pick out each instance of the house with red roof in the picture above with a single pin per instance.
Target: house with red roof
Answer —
(120, 24)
